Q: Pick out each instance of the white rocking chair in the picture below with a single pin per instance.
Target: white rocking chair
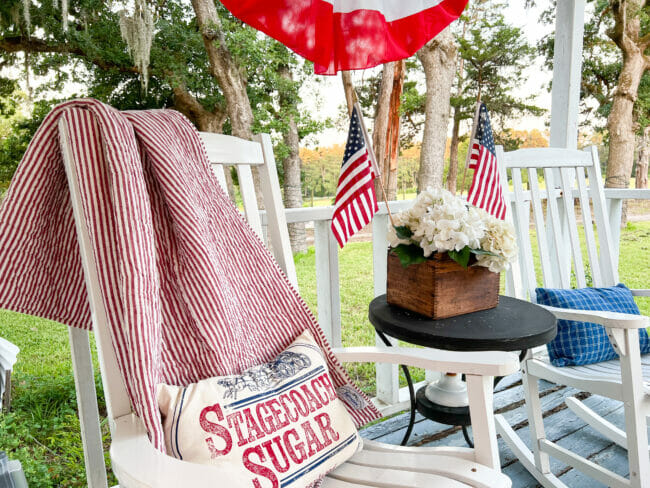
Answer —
(135, 461)
(627, 379)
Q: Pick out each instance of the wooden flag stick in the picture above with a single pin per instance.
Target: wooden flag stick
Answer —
(471, 142)
(371, 154)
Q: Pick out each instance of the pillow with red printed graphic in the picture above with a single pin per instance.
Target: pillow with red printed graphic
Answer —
(273, 425)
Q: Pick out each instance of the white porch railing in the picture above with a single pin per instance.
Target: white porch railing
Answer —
(390, 397)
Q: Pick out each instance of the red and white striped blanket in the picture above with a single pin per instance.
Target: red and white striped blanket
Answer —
(190, 291)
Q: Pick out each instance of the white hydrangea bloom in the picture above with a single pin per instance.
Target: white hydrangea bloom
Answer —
(441, 222)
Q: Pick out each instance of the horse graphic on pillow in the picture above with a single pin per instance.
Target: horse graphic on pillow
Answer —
(265, 376)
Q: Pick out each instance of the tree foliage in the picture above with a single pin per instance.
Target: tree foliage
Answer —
(495, 54)
(601, 65)
(91, 54)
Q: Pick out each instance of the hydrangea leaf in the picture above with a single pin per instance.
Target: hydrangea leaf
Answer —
(403, 232)
(481, 251)
(462, 256)
(409, 254)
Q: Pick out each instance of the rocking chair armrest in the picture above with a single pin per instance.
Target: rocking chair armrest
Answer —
(138, 464)
(487, 363)
(613, 320)
(637, 292)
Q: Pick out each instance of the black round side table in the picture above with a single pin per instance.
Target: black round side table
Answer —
(514, 325)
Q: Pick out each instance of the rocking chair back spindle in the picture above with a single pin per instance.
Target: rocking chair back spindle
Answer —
(557, 179)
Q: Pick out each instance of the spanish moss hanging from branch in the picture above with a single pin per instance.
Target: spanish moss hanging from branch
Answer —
(27, 15)
(64, 15)
(137, 31)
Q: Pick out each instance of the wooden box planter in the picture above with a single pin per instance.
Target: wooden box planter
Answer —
(440, 287)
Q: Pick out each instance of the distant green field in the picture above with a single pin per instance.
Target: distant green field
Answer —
(42, 430)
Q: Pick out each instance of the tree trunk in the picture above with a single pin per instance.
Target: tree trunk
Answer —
(438, 58)
(452, 176)
(189, 106)
(621, 123)
(643, 160)
(229, 76)
(224, 69)
(392, 143)
(292, 165)
(380, 127)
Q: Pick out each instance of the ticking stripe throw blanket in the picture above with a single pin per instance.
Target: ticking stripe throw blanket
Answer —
(190, 291)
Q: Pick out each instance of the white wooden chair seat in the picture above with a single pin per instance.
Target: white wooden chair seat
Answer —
(413, 469)
(138, 464)
(605, 371)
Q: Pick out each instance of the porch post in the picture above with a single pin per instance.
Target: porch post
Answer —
(567, 76)
(567, 73)
(386, 374)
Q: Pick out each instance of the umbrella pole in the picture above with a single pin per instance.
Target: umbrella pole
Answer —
(383, 192)
(371, 154)
(471, 142)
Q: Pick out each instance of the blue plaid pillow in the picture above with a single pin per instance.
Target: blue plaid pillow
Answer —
(579, 343)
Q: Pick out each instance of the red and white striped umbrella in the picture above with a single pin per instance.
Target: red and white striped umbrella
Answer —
(349, 34)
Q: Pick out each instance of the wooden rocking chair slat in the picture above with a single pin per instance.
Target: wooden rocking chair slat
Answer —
(247, 190)
(540, 225)
(558, 247)
(334, 483)
(221, 176)
(608, 264)
(588, 226)
(567, 176)
(392, 478)
(523, 216)
(462, 470)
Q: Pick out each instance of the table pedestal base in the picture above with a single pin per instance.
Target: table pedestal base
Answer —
(443, 414)
(449, 390)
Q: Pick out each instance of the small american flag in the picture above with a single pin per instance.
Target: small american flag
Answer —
(485, 191)
(355, 202)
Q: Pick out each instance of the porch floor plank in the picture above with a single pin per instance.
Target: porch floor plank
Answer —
(561, 426)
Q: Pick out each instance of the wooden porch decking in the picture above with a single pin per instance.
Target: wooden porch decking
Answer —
(561, 424)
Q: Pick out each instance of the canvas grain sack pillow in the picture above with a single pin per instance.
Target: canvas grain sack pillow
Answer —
(276, 424)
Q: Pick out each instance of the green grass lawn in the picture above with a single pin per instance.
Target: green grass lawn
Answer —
(42, 430)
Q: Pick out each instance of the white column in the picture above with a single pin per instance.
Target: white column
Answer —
(567, 75)
(567, 72)
(386, 374)
(327, 282)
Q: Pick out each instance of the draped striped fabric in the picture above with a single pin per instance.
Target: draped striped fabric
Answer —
(485, 191)
(189, 289)
(355, 202)
(352, 34)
